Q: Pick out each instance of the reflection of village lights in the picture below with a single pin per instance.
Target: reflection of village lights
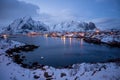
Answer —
(70, 40)
(63, 38)
(81, 42)
(46, 35)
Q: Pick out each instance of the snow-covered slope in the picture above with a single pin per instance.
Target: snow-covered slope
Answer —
(27, 24)
(73, 26)
(24, 25)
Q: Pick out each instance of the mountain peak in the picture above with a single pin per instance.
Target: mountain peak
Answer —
(27, 18)
(25, 25)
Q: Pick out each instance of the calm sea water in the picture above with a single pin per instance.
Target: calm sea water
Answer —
(62, 52)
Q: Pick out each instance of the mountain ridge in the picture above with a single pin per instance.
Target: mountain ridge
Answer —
(27, 24)
(74, 26)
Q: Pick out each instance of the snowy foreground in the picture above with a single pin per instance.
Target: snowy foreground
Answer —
(84, 71)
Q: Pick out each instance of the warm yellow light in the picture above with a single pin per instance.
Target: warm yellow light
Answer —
(54, 35)
(63, 38)
(75, 33)
(32, 34)
(46, 35)
(82, 34)
(4, 36)
(70, 40)
(97, 31)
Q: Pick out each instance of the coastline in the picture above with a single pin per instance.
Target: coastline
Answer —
(84, 71)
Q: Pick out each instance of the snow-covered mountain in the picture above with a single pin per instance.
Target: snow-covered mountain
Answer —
(73, 26)
(25, 25)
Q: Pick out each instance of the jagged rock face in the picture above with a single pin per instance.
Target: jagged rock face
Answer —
(74, 26)
(26, 24)
(91, 26)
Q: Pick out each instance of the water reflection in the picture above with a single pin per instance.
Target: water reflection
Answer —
(81, 42)
(46, 38)
(46, 35)
(70, 39)
(58, 52)
(63, 38)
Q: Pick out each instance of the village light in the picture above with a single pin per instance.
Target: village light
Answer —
(97, 30)
(64, 39)
(69, 35)
(82, 34)
(32, 33)
(53, 34)
(46, 35)
(4, 36)
(111, 33)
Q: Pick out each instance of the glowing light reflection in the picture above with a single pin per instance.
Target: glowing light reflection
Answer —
(46, 35)
(81, 42)
(70, 40)
(63, 39)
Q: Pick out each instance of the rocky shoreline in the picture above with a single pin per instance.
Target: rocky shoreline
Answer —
(98, 41)
(83, 71)
(15, 54)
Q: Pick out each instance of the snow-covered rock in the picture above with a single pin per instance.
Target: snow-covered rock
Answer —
(110, 39)
(24, 25)
(6, 44)
(73, 26)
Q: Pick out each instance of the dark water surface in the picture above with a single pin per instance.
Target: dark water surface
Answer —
(62, 52)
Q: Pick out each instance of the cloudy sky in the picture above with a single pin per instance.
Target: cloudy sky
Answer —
(60, 10)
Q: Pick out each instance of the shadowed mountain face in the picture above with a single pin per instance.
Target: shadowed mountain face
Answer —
(25, 25)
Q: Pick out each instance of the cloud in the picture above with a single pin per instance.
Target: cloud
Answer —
(107, 23)
(61, 15)
(52, 14)
(12, 9)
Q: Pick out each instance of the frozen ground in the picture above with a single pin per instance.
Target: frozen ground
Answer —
(84, 71)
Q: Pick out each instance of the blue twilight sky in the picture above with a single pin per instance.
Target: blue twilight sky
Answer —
(61, 10)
